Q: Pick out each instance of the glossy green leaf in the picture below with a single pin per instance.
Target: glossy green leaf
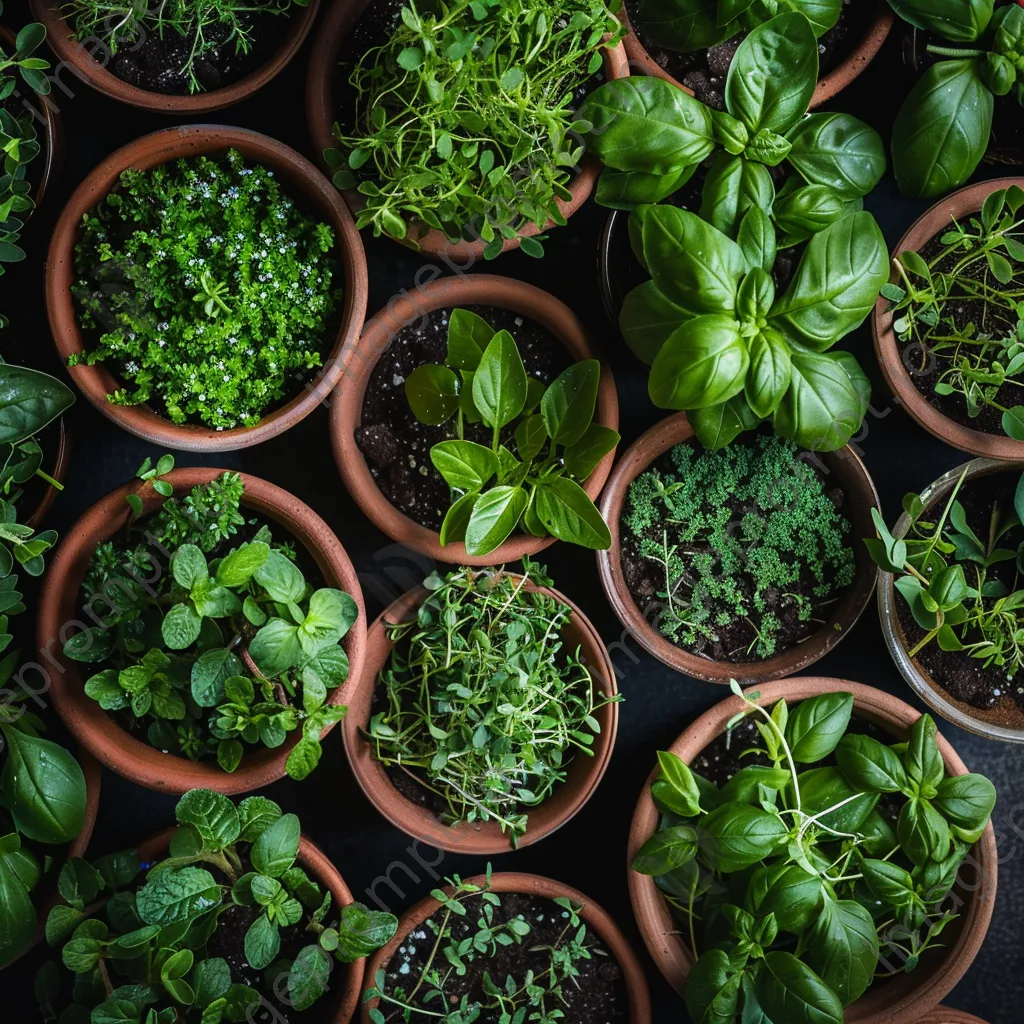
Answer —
(837, 150)
(703, 362)
(568, 513)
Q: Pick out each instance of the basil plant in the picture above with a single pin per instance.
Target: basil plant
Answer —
(942, 130)
(652, 137)
(731, 352)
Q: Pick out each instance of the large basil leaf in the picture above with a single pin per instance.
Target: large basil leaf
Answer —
(704, 362)
(960, 21)
(646, 124)
(177, 894)
(756, 239)
(817, 724)
(870, 765)
(432, 392)
(647, 319)
(923, 759)
(966, 801)
(668, 849)
(29, 400)
(838, 150)
(836, 283)
(712, 989)
(495, 515)
(822, 14)
(567, 512)
(465, 465)
(788, 990)
(17, 914)
(624, 190)
(942, 130)
(732, 187)
(808, 209)
(717, 425)
(568, 404)
(499, 383)
(923, 832)
(789, 892)
(736, 836)
(686, 27)
(774, 74)
(770, 370)
(843, 949)
(826, 787)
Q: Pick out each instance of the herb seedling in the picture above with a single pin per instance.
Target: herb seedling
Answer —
(150, 943)
(798, 873)
(483, 707)
(554, 441)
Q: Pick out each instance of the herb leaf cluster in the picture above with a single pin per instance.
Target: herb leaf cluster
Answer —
(794, 876)
(464, 120)
(555, 443)
(142, 942)
(206, 287)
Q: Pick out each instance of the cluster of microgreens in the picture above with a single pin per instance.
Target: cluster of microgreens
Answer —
(791, 882)
(484, 707)
(951, 578)
(206, 287)
(463, 118)
(737, 532)
(461, 946)
(223, 652)
(981, 261)
(140, 938)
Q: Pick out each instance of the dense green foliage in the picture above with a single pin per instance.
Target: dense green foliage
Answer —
(556, 443)
(464, 117)
(206, 287)
(137, 937)
(484, 705)
(734, 532)
(219, 653)
(798, 882)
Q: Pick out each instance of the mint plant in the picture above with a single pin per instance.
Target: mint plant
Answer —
(795, 876)
(230, 649)
(146, 943)
(544, 442)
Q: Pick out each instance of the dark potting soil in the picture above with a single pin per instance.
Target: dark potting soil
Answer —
(986, 693)
(925, 368)
(705, 71)
(397, 446)
(597, 996)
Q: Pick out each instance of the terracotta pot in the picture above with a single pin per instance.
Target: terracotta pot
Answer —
(889, 351)
(861, 497)
(88, 59)
(641, 62)
(480, 838)
(47, 900)
(361, 358)
(946, 1015)
(321, 112)
(304, 181)
(1004, 723)
(597, 920)
(907, 996)
(58, 469)
(59, 610)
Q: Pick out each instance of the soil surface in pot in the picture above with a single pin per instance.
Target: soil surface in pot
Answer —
(988, 693)
(597, 996)
(397, 446)
(705, 71)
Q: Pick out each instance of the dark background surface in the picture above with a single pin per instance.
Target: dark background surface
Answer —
(590, 852)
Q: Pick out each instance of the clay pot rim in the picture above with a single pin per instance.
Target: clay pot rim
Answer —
(829, 84)
(593, 915)
(638, 457)
(887, 349)
(95, 729)
(70, 52)
(361, 357)
(484, 838)
(673, 956)
(911, 669)
(59, 472)
(161, 147)
(320, 113)
(947, 1015)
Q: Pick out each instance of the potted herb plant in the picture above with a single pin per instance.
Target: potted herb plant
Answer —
(550, 949)
(216, 618)
(947, 325)
(522, 716)
(736, 562)
(181, 57)
(952, 629)
(820, 857)
(231, 913)
(692, 44)
(248, 330)
(482, 97)
(415, 441)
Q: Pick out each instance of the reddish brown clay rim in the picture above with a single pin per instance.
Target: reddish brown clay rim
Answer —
(96, 382)
(321, 114)
(58, 471)
(360, 358)
(75, 55)
(960, 204)
(584, 774)
(947, 1015)
(59, 612)
(641, 62)
(904, 998)
(861, 495)
(597, 919)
